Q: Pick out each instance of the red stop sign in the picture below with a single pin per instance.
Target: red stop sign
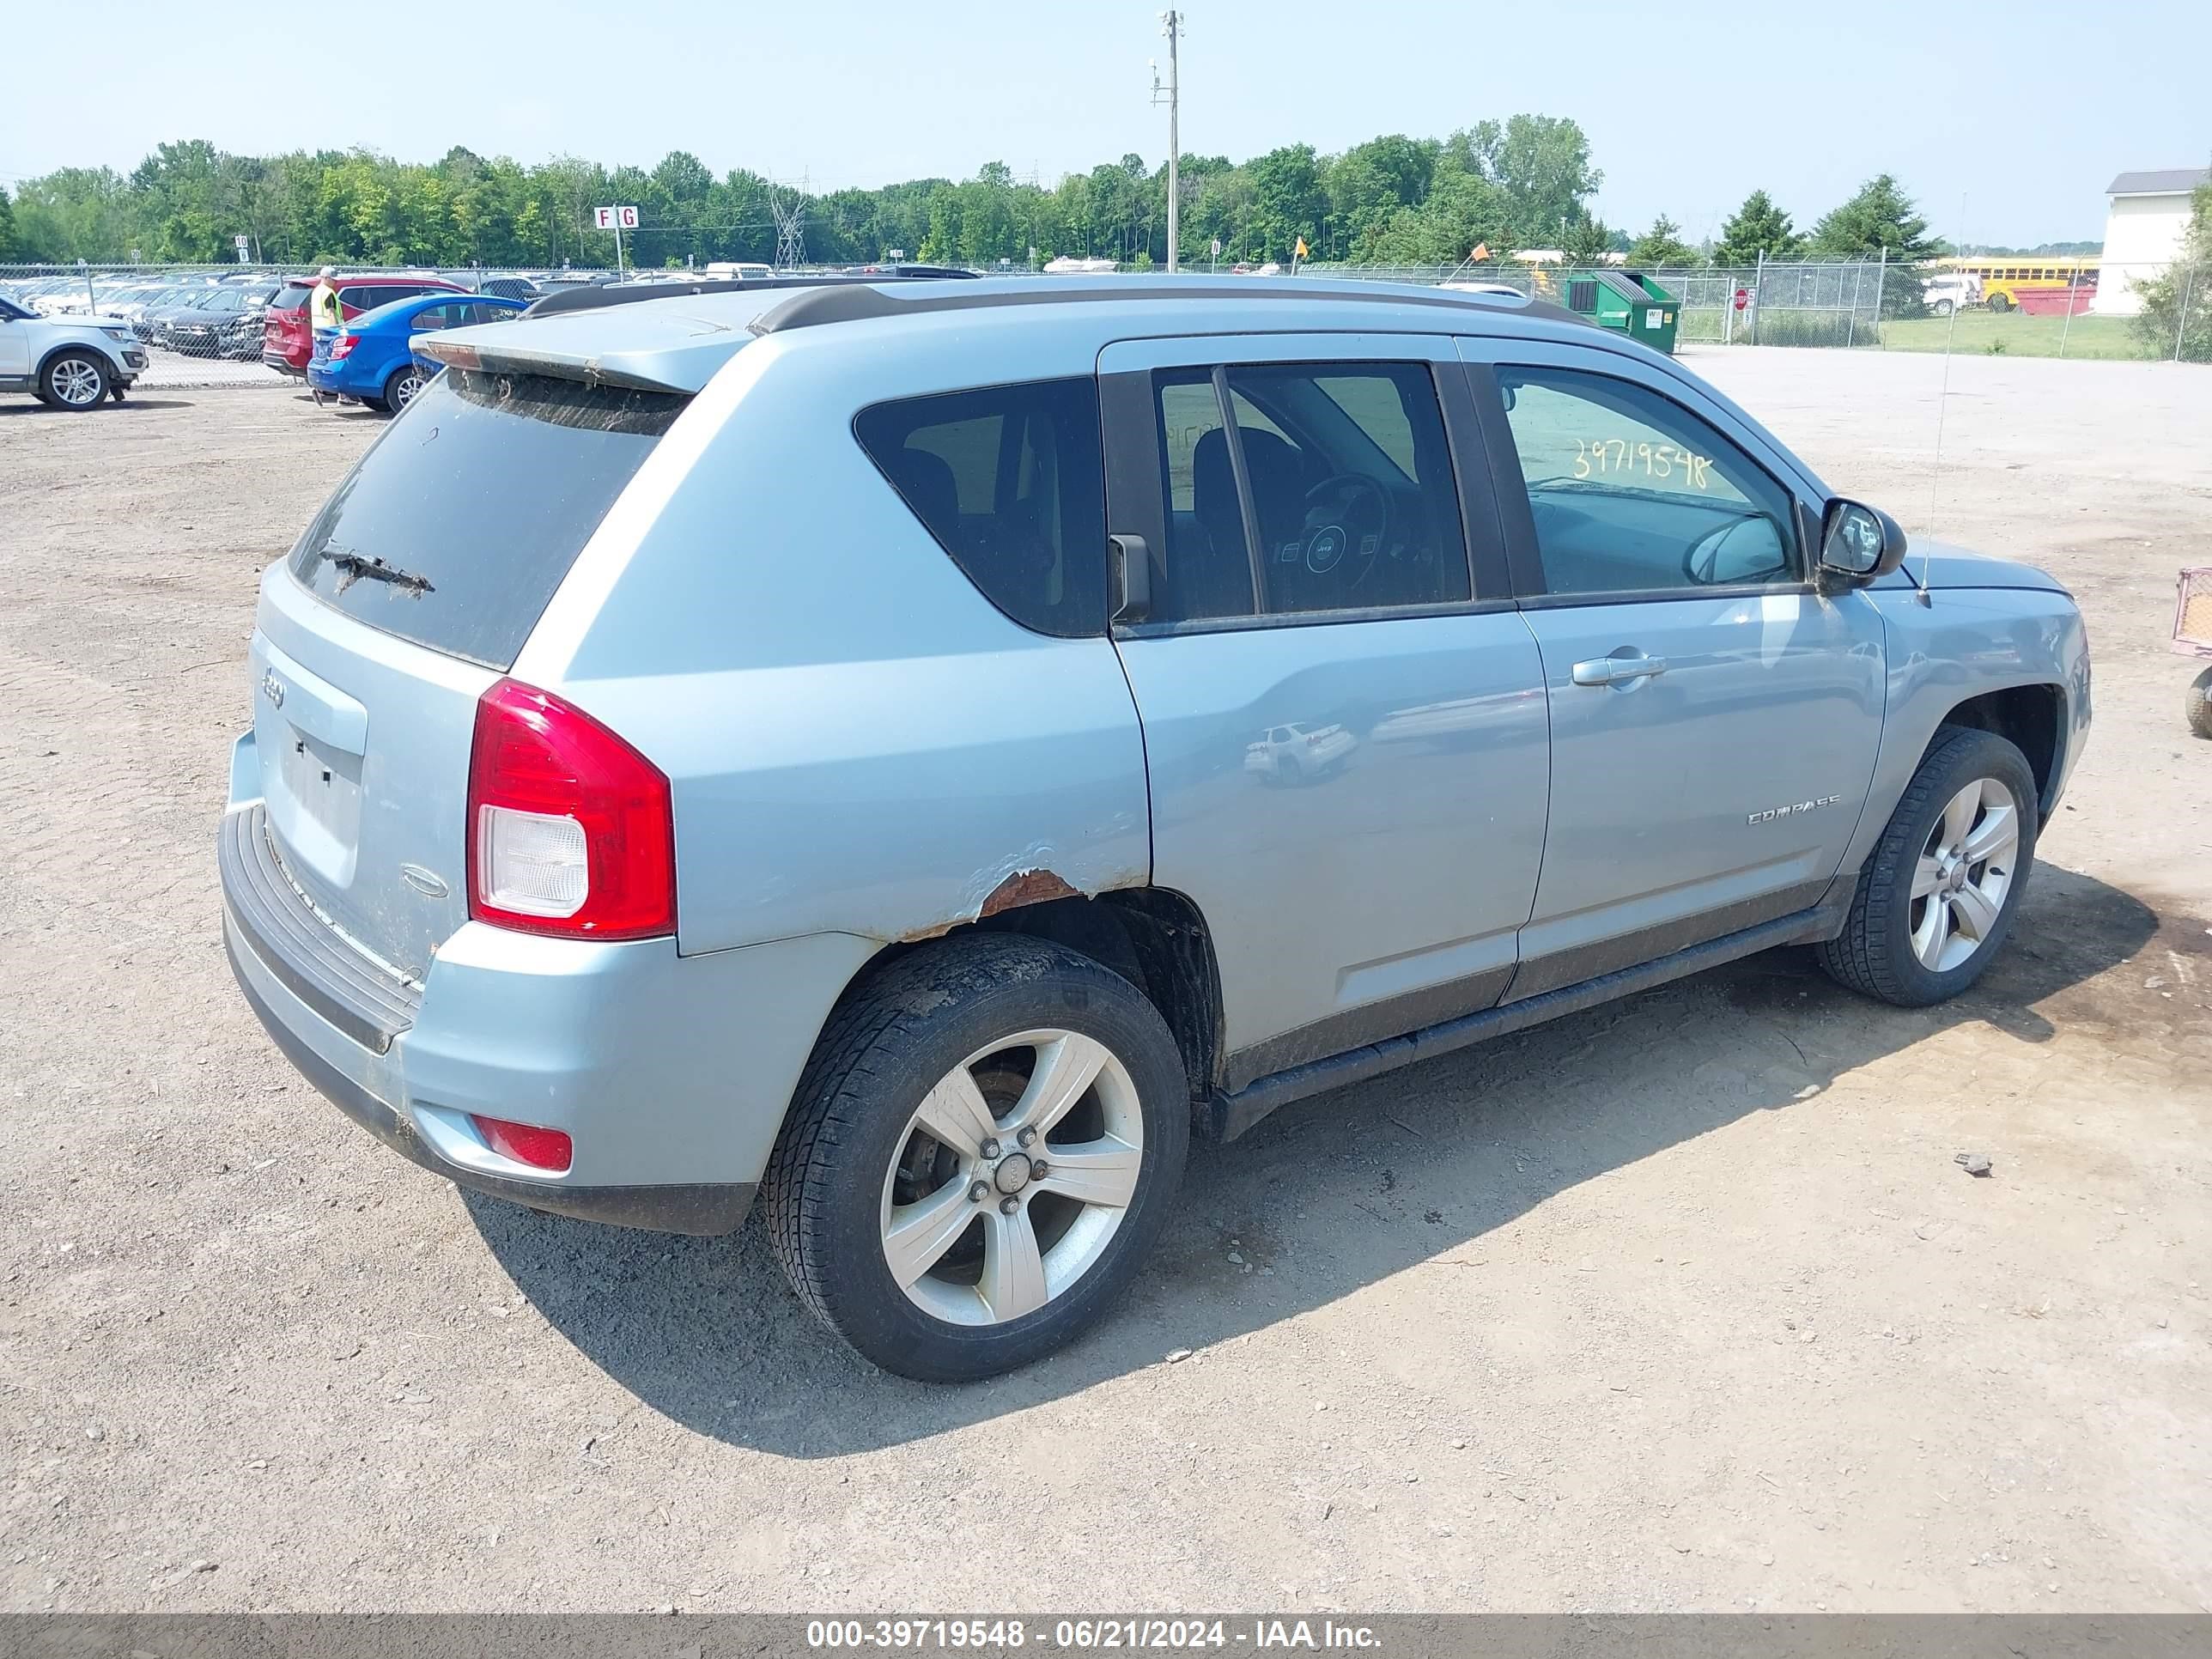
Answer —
(1742, 298)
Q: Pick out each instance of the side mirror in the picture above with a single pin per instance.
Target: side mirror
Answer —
(1859, 544)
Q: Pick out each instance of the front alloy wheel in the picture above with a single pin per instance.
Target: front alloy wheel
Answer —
(1940, 888)
(1965, 871)
(76, 380)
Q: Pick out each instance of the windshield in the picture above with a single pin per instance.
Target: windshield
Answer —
(457, 525)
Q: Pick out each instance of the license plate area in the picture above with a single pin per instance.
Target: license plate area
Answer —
(312, 739)
(314, 801)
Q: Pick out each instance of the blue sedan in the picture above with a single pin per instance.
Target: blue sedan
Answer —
(372, 360)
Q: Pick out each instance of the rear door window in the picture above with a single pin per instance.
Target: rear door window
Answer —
(1010, 481)
(457, 525)
(1349, 476)
(1353, 482)
(1209, 565)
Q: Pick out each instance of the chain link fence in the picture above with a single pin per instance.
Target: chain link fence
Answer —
(2021, 307)
(1828, 303)
(199, 320)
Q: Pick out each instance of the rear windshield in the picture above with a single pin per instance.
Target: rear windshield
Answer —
(457, 527)
(292, 296)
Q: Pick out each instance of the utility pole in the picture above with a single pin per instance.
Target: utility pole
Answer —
(1171, 26)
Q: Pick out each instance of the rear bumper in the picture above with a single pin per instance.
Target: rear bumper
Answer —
(700, 1208)
(671, 1073)
(336, 381)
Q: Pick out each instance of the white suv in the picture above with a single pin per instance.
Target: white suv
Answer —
(70, 363)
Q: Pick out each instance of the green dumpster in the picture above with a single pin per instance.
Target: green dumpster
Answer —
(1628, 302)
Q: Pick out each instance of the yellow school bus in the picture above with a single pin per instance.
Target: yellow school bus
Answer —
(2004, 275)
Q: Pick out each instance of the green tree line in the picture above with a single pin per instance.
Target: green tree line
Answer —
(1526, 181)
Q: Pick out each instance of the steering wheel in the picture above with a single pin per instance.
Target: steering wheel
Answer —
(1349, 518)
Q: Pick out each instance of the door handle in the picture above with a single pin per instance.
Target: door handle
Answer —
(1612, 671)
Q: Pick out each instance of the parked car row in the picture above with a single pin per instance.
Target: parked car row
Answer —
(243, 315)
(372, 359)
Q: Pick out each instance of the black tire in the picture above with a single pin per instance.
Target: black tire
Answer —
(886, 1047)
(1875, 955)
(1943, 307)
(2000, 304)
(2196, 704)
(406, 382)
(76, 370)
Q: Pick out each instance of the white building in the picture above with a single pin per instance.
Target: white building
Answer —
(2142, 233)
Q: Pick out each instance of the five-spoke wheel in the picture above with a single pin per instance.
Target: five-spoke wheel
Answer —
(1014, 1176)
(1938, 892)
(1965, 871)
(981, 1153)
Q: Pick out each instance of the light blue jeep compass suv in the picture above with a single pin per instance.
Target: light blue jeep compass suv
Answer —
(918, 752)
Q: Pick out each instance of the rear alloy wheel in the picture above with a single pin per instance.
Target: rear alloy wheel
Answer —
(400, 390)
(981, 1153)
(2000, 303)
(1940, 891)
(74, 380)
(1942, 307)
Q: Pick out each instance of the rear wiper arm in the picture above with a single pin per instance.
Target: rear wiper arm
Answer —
(353, 568)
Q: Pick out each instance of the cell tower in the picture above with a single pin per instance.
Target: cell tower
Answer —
(788, 204)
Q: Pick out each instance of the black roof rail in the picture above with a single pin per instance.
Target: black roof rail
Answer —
(591, 297)
(860, 302)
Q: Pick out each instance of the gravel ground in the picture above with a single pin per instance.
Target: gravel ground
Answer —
(1680, 1303)
(167, 371)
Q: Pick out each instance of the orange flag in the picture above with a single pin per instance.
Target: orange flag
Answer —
(1301, 249)
(1481, 251)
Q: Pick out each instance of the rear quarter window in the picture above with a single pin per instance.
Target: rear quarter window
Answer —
(1010, 481)
(456, 527)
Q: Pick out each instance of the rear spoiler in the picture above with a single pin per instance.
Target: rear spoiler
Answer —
(468, 353)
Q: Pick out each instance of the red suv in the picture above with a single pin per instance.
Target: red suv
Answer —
(288, 336)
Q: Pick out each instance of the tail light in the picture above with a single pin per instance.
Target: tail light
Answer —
(344, 345)
(571, 831)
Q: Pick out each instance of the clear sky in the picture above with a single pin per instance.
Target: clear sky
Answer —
(2025, 109)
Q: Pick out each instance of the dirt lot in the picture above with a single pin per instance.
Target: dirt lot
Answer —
(1680, 1303)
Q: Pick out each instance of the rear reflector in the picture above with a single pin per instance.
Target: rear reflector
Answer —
(571, 831)
(550, 1149)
